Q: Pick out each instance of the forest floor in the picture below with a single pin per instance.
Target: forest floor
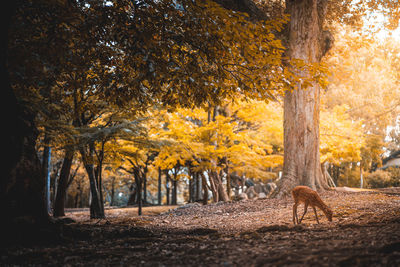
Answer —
(365, 231)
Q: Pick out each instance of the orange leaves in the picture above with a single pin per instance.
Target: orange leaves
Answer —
(246, 137)
(341, 137)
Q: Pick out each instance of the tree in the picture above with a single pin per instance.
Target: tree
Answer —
(22, 183)
(308, 42)
(365, 77)
(60, 196)
(238, 140)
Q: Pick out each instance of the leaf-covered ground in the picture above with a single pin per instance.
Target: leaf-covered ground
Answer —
(365, 231)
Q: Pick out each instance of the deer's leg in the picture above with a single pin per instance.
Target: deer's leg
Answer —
(295, 219)
(316, 216)
(305, 210)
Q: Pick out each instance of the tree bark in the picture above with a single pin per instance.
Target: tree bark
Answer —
(112, 201)
(217, 187)
(138, 180)
(145, 185)
(228, 183)
(307, 42)
(59, 202)
(99, 179)
(198, 187)
(46, 165)
(22, 181)
(205, 189)
(159, 186)
(96, 212)
(213, 187)
(167, 186)
(191, 187)
(175, 188)
(132, 194)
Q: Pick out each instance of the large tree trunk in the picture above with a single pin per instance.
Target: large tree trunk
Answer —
(59, 201)
(22, 180)
(308, 42)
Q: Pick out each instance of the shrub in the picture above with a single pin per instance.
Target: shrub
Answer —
(378, 179)
(350, 178)
(394, 176)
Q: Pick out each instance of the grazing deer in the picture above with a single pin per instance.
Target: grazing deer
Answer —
(304, 194)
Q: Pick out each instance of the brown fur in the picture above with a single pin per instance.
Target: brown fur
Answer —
(304, 194)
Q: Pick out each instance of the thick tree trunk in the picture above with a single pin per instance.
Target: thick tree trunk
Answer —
(22, 180)
(59, 201)
(307, 42)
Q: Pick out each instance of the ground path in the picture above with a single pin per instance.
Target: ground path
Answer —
(365, 231)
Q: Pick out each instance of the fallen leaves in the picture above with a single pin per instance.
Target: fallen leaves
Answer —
(365, 231)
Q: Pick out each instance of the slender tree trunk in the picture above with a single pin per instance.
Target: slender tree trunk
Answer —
(145, 185)
(99, 174)
(167, 186)
(228, 183)
(175, 188)
(198, 186)
(81, 197)
(138, 180)
(307, 42)
(222, 191)
(213, 186)
(217, 187)
(190, 200)
(112, 202)
(174, 192)
(96, 212)
(205, 189)
(132, 194)
(159, 185)
(46, 164)
(59, 202)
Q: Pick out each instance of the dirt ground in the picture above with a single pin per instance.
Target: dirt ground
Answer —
(365, 231)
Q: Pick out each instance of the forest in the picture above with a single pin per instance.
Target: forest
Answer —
(176, 133)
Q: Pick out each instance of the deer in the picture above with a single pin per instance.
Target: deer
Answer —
(304, 194)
